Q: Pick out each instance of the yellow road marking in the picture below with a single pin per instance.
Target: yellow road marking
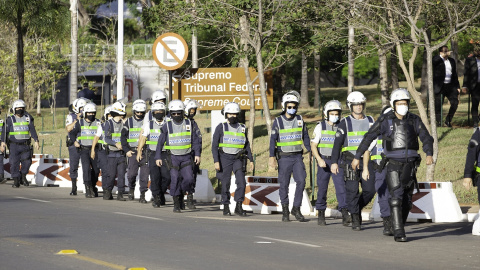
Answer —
(67, 252)
(98, 262)
(18, 241)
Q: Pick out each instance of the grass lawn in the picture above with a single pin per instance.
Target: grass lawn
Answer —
(450, 164)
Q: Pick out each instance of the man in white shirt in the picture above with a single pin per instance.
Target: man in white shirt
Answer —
(445, 84)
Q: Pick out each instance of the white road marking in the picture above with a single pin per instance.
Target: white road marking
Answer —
(127, 214)
(233, 219)
(263, 242)
(37, 200)
(289, 242)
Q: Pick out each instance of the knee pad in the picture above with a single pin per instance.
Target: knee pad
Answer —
(393, 180)
(395, 202)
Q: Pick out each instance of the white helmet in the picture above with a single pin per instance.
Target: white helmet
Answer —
(108, 109)
(291, 96)
(399, 94)
(176, 105)
(79, 103)
(355, 98)
(332, 105)
(18, 104)
(119, 107)
(158, 95)
(158, 106)
(89, 107)
(139, 105)
(191, 104)
(231, 107)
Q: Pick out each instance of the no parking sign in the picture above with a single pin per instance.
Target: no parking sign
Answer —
(170, 51)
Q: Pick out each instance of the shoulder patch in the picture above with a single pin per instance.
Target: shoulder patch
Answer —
(188, 127)
(274, 131)
(1, 121)
(243, 130)
(27, 118)
(300, 123)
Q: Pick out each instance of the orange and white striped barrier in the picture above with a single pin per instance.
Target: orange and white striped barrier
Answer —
(31, 172)
(55, 172)
(435, 201)
(262, 196)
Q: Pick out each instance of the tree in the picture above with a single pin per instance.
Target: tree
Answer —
(45, 18)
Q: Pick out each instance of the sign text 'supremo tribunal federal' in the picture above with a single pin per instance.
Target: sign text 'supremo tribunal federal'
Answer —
(213, 87)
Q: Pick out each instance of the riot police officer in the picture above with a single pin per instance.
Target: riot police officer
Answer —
(472, 165)
(83, 134)
(19, 130)
(116, 160)
(191, 107)
(73, 154)
(230, 150)
(129, 140)
(322, 145)
(3, 180)
(180, 141)
(159, 176)
(400, 130)
(157, 96)
(289, 133)
(350, 132)
(101, 150)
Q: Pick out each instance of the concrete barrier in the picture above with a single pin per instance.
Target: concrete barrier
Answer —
(262, 196)
(435, 201)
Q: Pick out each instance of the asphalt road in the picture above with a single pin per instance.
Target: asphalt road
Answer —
(38, 222)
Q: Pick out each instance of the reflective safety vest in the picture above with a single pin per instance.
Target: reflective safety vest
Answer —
(290, 138)
(233, 138)
(179, 140)
(134, 128)
(116, 130)
(155, 131)
(356, 130)
(325, 146)
(21, 130)
(376, 154)
(87, 132)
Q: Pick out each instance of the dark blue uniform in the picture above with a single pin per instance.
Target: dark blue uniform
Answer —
(286, 140)
(19, 134)
(348, 135)
(400, 144)
(116, 160)
(230, 162)
(472, 165)
(73, 155)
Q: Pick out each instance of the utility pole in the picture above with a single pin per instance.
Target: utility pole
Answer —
(120, 76)
(74, 57)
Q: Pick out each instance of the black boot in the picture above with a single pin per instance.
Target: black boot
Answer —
(239, 210)
(176, 204)
(16, 182)
(397, 220)
(131, 195)
(387, 226)
(94, 191)
(162, 199)
(226, 210)
(356, 224)
(107, 194)
(74, 187)
(346, 218)
(3, 180)
(190, 203)
(142, 198)
(24, 180)
(181, 202)
(286, 213)
(88, 191)
(120, 196)
(298, 214)
(321, 218)
(156, 201)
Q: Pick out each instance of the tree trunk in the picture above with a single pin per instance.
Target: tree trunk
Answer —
(454, 48)
(20, 60)
(424, 81)
(83, 17)
(244, 28)
(39, 101)
(351, 59)
(394, 68)
(304, 83)
(263, 90)
(74, 58)
(433, 123)
(383, 73)
(316, 77)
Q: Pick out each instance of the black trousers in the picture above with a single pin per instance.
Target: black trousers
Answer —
(475, 101)
(448, 90)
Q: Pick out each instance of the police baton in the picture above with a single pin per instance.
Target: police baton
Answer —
(310, 170)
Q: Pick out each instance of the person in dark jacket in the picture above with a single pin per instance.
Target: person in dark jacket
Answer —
(445, 84)
(471, 82)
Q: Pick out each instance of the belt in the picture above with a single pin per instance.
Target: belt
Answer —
(283, 154)
(22, 143)
(326, 157)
